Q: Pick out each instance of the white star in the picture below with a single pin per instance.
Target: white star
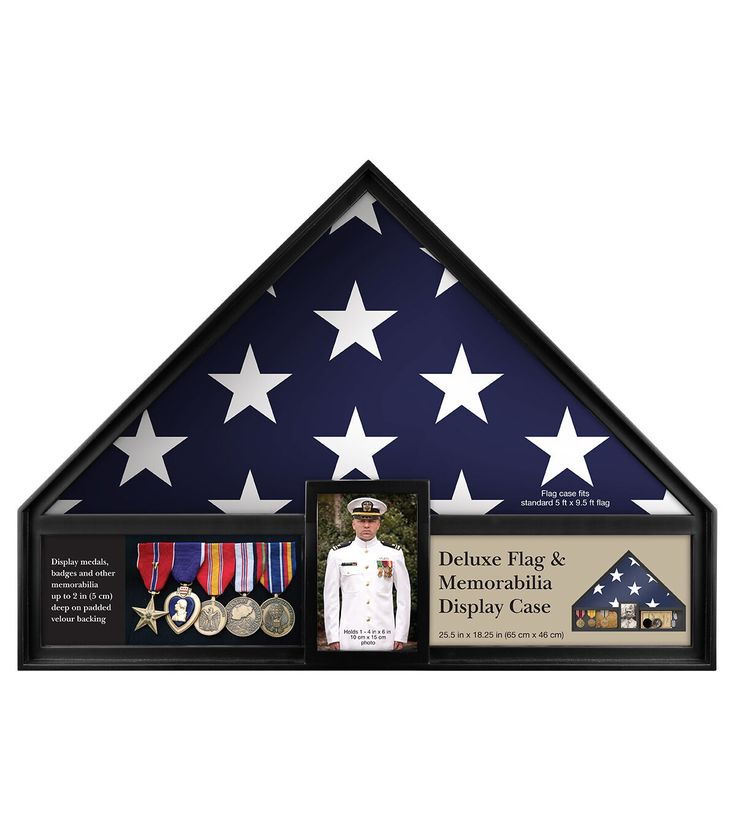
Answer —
(461, 502)
(355, 450)
(146, 451)
(651, 578)
(567, 450)
(272, 291)
(355, 324)
(363, 210)
(446, 281)
(633, 561)
(249, 501)
(62, 506)
(669, 505)
(652, 604)
(461, 387)
(616, 575)
(634, 589)
(614, 604)
(250, 387)
(598, 589)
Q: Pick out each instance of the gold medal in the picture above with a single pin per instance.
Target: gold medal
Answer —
(279, 566)
(278, 617)
(244, 616)
(215, 574)
(212, 618)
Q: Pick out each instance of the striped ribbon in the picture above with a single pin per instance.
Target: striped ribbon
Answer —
(217, 568)
(154, 563)
(248, 566)
(279, 564)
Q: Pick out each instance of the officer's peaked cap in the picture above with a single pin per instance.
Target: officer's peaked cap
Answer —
(367, 508)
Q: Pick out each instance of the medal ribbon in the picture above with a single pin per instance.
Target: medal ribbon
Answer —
(248, 566)
(154, 563)
(217, 568)
(279, 565)
(188, 557)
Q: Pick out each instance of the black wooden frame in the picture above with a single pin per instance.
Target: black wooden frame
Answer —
(367, 660)
(33, 523)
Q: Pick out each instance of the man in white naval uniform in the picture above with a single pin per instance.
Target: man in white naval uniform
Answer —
(365, 572)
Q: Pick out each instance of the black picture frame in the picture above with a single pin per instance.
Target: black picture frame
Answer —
(414, 659)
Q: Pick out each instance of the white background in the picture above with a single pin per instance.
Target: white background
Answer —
(582, 154)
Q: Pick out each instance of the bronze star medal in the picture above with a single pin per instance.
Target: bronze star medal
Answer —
(148, 616)
(155, 560)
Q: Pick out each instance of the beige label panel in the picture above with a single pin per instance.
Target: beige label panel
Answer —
(520, 590)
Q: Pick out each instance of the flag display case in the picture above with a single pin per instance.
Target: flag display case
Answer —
(368, 349)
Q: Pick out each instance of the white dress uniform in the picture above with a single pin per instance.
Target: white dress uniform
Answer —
(365, 573)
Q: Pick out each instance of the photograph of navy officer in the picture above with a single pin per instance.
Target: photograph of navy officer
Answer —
(358, 593)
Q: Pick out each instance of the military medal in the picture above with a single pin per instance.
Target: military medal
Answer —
(385, 568)
(214, 576)
(244, 616)
(279, 567)
(580, 622)
(154, 563)
(182, 606)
